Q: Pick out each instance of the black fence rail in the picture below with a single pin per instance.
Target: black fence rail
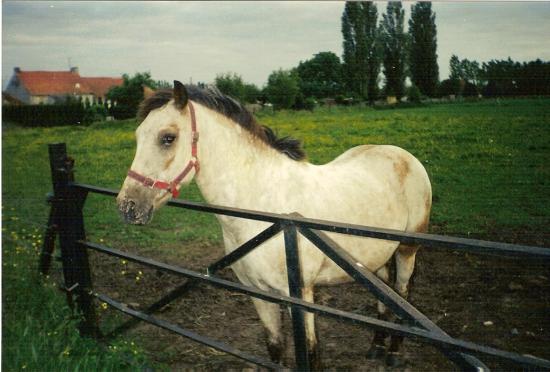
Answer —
(66, 219)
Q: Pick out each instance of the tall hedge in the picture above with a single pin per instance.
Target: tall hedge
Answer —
(45, 115)
(122, 112)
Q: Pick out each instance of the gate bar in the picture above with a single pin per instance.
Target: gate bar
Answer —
(188, 334)
(377, 324)
(427, 240)
(154, 307)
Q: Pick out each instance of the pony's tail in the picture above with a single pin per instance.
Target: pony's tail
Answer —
(289, 146)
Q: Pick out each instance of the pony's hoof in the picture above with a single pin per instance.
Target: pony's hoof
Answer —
(315, 361)
(376, 352)
(394, 360)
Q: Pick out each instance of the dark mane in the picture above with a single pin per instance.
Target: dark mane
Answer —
(215, 100)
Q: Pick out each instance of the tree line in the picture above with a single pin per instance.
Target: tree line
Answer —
(497, 78)
(377, 58)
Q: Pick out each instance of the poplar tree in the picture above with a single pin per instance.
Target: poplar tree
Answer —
(353, 36)
(372, 48)
(455, 67)
(423, 48)
(361, 55)
(394, 43)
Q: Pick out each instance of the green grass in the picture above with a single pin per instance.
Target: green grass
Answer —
(39, 332)
(488, 162)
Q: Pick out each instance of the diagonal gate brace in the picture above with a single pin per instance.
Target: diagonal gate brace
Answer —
(386, 294)
(244, 249)
(190, 284)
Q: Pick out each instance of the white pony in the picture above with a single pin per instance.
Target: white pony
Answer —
(244, 165)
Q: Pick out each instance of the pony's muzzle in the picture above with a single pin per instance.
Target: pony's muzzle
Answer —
(133, 214)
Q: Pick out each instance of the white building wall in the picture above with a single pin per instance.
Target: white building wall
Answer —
(46, 100)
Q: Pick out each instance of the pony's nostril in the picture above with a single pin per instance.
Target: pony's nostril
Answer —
(131, 213)
(127, 206)
(127, 209)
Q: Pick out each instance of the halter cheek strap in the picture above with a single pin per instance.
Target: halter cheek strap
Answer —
(172, 186)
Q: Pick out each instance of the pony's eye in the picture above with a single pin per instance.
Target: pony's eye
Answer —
(167, 139)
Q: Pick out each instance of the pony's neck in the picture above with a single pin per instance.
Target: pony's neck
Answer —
(235, 165)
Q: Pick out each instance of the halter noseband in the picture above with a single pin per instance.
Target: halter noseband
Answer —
(193, 163)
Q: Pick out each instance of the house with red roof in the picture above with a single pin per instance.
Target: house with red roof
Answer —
(48, 87)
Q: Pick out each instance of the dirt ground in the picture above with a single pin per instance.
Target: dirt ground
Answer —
(504, 303)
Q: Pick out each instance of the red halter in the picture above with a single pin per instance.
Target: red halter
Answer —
(193, 163)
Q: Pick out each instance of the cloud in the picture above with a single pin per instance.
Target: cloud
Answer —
(193, 39)
(197, 40)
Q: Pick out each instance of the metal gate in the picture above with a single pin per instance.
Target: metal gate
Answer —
(66, 219)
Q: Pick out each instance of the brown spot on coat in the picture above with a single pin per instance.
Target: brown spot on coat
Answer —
(401, 167)
(422, 227)
(407, 250)
(169, 161)
(428, 203)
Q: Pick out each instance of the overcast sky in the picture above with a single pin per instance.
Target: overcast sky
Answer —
(197, 40)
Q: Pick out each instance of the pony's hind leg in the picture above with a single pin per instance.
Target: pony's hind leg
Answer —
(377, 349)
(404, 264)
(270, 315)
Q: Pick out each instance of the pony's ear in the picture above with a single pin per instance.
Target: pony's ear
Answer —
(180, 95)
(147, 91)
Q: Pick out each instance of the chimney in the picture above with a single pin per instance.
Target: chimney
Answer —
(74, 70)
(16, 70)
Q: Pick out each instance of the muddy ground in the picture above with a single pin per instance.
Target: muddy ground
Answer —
(504, 303)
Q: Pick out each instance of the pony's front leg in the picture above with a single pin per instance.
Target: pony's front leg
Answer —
(270, 315)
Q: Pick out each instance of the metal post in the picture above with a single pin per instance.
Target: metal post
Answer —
(295, 285)
(68, 206)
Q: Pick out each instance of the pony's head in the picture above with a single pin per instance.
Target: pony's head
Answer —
(166, 143)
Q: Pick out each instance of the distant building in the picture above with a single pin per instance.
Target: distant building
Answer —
(48, 87)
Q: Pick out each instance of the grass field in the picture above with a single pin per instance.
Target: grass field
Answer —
(488, 162)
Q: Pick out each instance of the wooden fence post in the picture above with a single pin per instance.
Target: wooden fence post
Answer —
(68, 203)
